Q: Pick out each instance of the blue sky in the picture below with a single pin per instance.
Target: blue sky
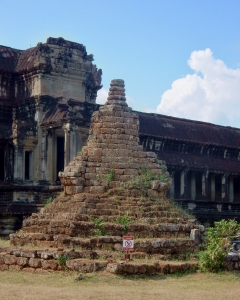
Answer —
(180, 58)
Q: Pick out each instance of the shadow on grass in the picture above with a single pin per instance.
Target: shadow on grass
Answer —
(157, 276)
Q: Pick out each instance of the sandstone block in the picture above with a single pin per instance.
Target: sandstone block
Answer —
(109, 152)
(50, 264)
(29, 270)
(116, 99)
(139, 154)
(118, 124)
(132, 142)
(90, 170)
(95, 131)
(113, 184)
(113, 146)
(35, 262)
(10, 259)
(2, 258)
(151, 154)
(90, 182)
(116, 93)
(117, 82)
(122, 144)
(4, 267)
(15, 267)
(132, 172)
(86, 189)
(105, 112)
(108, 130)
(96, 159)
(69, 190)
(117, 247)
(155, 184)
(120, 131)
(91, 175)
(22, 261)
(97, 189)
(118, 171)
(123, 152)
(45, 254)
(95, 152)
(102, 171)
(196, 236)
(156, 171)
(126, 178)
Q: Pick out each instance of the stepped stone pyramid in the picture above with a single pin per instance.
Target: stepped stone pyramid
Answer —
(112, 188)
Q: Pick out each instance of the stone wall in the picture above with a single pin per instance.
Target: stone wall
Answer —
(40, 261)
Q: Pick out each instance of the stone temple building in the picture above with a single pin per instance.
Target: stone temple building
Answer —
(47, 97)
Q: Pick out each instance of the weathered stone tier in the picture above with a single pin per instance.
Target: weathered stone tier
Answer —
(87, 261)
(72, 222)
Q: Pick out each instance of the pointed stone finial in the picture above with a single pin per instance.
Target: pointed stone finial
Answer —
(116, 95)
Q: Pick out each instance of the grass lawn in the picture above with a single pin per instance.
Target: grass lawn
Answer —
(26, 286)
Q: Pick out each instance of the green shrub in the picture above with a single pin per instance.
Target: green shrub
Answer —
(99, 224)
(124, 221)
(109, 177)
(48, 202)
(143, 181)
(218, 243)
(62, 260)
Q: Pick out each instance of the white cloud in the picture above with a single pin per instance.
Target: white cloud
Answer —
(212, 94)
(103, 94)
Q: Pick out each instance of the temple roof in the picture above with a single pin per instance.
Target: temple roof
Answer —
(156, 125)
(57, 114)
(17, 60)
(27, 58)
(200, 162)
(8, 58)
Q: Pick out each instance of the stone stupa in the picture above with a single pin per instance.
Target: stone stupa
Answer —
(112, 188)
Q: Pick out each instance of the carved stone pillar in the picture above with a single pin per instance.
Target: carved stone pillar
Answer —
(224, 196)
(66, 128)
(38, 152)
(8, 164)
(183, 184)
(73, 142)
(231, 189)
(51, 156)
(193, 186)
(44, 156)
(205, 185)
(213, 190)
(70, 146)
(18, 164)
(172, 187)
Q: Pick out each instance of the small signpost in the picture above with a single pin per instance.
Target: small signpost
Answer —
(128, 245)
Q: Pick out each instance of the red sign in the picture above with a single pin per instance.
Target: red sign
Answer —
(128, 243)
